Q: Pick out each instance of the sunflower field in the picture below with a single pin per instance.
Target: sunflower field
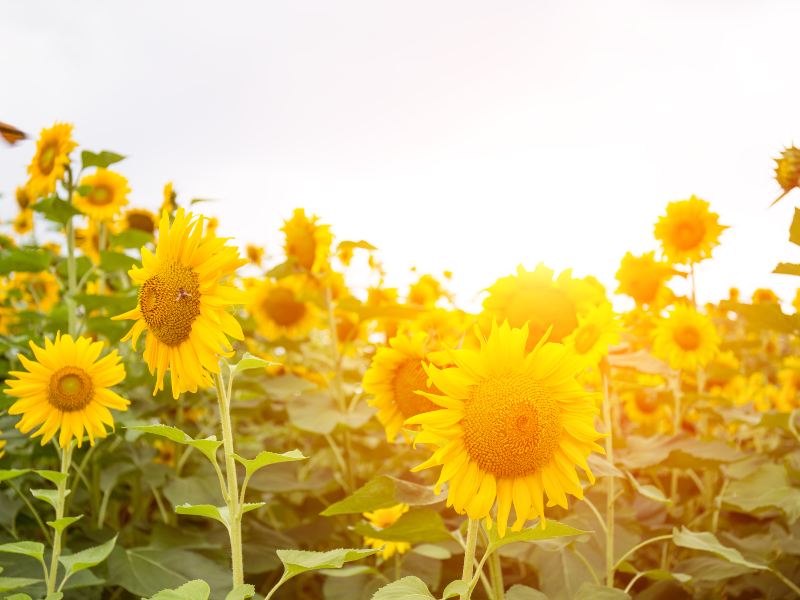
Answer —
(185, 417)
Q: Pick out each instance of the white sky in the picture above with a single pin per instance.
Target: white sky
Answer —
(461, 135)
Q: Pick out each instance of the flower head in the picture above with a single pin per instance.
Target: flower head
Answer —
(689, 231)
(307, 242)
(644, 279)
(596, 332)
(50, 160)
(282, 308)
(106, 194)
(686, 339)
(381, 519)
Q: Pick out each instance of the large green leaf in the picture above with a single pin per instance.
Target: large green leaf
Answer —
(767, 487)
(415, 526)
(101, 159)
(218, 513)
(196, 589)
(8, 584)
(407, 588)
(116, 261)
(709, 543)
(6, 474)
(130, 238)
(296, 562)
(552, 530)
(32, 549)
(88, 558)
(265, 458)
(30, 260)
(208, 446)
(382, 492)
(56, 210)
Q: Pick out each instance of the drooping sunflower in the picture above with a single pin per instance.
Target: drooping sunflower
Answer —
(535, 298)
(50, 160)
(307, 242)
(381, 519)
(686, 339)
(139, 219)
(67, 388)
(23, 222)
(41, 291)
(689, 231)
(23, 197)
(283, 308)
(644, 279)
(255, 254)
(169, 203)
(107, 194)
(183, 301)
(596, 332)
(512, 426)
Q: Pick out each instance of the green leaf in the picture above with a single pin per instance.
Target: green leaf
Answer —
(767, 487)
(193, 590)
(31, 549)
(265, 458)
(6, 474)
(29, 260)
(296, 562)
(766, 316)
(593, 591)
(382, 492)
(709, 543)
(102, 159)
(49, 496)
(218, 513)
(523, 592)
(61, 524)
(56, 210)
(794, 229)
(54, 477)
(18, 597)
(710, 568)
(208, 446)
(419, 525)
(432, 551)
(702, 454)
(86, 559)
(8, 584)
(241, 592)
(116, 261)
(130, 238)
(250, 506)
(787, 269)
(648, 491)
(407, 588)
(553, 529)
(54, 596)
(249, 362)
(455, 589)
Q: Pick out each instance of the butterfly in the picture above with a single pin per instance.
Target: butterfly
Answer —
(11, 134)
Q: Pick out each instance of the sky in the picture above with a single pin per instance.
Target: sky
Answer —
(467, 136)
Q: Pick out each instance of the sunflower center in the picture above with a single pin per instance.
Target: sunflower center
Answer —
(542, 307)
(70, 389)
(512, 425)
(646, 403)
(47, 159)
(170, 302)
(282, 307)
(586, 338)
(687, 337)
(100, 195)
(410, 377)
(141, 222)
(303, 247)
(689, 234)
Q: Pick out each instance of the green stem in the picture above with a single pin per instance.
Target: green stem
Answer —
(633, 550)
(610, 493)
(102, 242)
(469, 553)
(787, 582)
(234, 511)
(72, 273)
(66, 461)
(33, 510)
(496, 574)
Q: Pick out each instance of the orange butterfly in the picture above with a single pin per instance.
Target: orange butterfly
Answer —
(11, 134)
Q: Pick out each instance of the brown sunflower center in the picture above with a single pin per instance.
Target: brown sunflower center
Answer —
(47, 158)
(512, 425)
(170, 302)
(688, 234)
(687, 337)
(303, 247)
(542, 307)
(283, 307)
(408, 378)
(586, 338)
(141, 221)
(70, 389)
(100, 195)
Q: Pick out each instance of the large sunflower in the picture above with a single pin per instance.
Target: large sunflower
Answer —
(307, 242)
(50, 160)
(644, 279)
(282, 308)
(535, 298)
(106, 195)
(512, 426)
(686, 339)
(67, 388)
(689, 231)
(394, 378)
(182, 303)
(595, 333)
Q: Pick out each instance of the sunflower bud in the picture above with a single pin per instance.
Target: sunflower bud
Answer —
(787, 171)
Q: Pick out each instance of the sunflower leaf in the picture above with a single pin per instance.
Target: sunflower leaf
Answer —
(102, 159)
(86, 559)
(265, 458)
(196, 589)
(553, 529)
(407, 588)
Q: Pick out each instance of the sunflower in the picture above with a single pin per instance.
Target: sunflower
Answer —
(534, 297)
(50, 160)
(381, 519)
(765, 296)
(307, 242)
(67, 388)
(23, 197)
(282, 308)
(394, 378)
(512, 426)
(139, 219)
(23, 223)
(107, 194)
(644, 279)
(39, 290)
(255, 254)
(425, 292)
(686, 339)
(169, 203)
(182, 303)
(88, 240)
(596, 331)
(689, 231)
(646, 407)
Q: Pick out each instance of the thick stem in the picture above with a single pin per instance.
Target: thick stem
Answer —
(72, 272)
(469, 552)
(102, 243)
(496, 573)
(232, 499)
(66, 461)
(610, 492)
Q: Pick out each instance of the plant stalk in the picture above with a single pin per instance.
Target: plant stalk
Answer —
(610, 492)
(66, 462)
(469, 553)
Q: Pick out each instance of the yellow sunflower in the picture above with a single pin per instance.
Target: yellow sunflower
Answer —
(689, 231)
(646, 407)
(23, 197)
(41, 291)
(107, 194)
(182, 303)
(686, 339)
(644, 279)
(426, 291)
(50, 160)
(282, 308)
(765, 296)
(255, 254)
(307, 242)
(596, 332)
(535, 298)
(169, 203)
(88, 240)
(23, 223)
(139, 219)
(512, 426)
(67, 388)
(381, 519)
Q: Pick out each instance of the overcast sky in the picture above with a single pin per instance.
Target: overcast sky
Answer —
(461, 135)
